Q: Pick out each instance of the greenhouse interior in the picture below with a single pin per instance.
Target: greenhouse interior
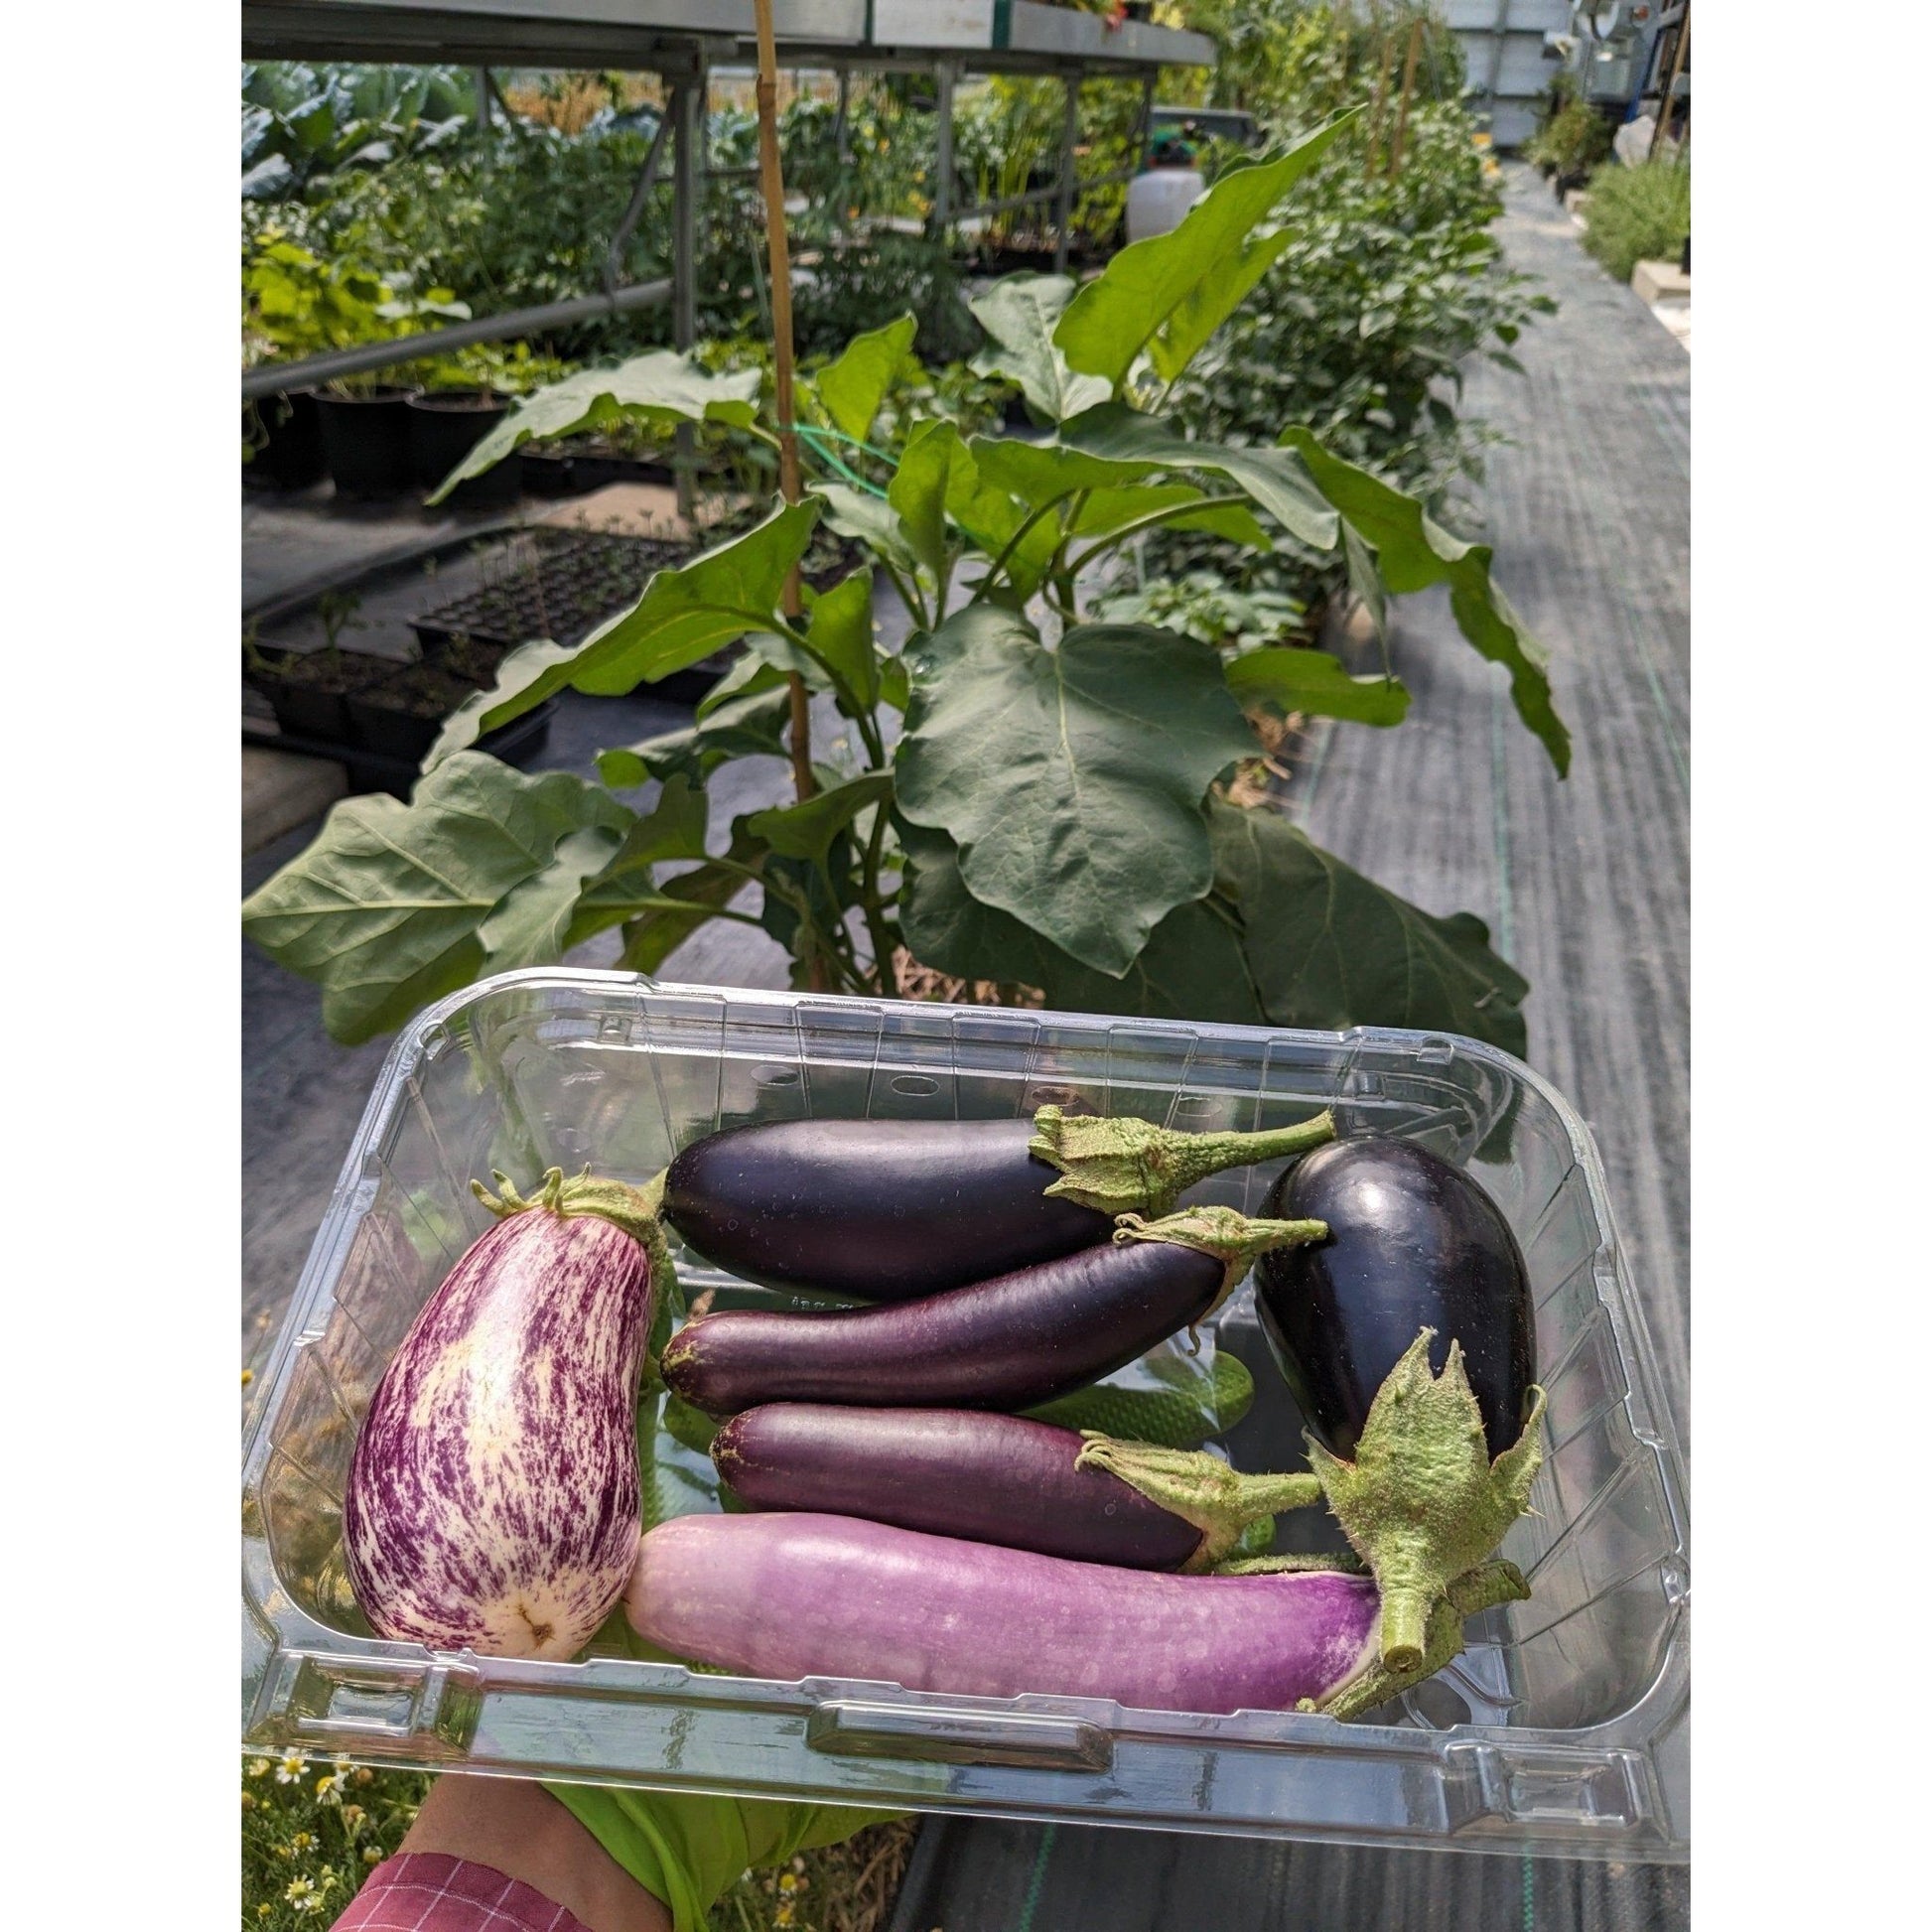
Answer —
(965, 980)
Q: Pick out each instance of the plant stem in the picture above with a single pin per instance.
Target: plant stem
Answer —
(772, 181)
(882, 945)
(1013, 544)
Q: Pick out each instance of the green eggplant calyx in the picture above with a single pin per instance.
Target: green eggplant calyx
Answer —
(1199, 1488)
(1231, 1238)
(633, 1210)
(1422, 1503)
(1125, 1165)
(1478, 1589)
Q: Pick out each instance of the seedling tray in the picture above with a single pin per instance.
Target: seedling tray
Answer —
(1564, 1729)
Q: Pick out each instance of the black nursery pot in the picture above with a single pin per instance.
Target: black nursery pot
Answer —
(400, 715)
(444, 427)
(367, 441)
(292, 457)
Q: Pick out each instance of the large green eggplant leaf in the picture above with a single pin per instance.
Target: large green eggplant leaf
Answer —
(841, 633)
(748, 724)
(1310, 681)
(851, 388)
(870, 519)
(938, 483)
(661, 388)
(1144, 289)
(682, 616)
(806, 831)
(628, 883)
(1289, 936)
(1186, 332)
(395, 905)
(533, 923)
(538, 668)
(1329, 948)
(1413, 551)
(1020, 312)
(1276, 478)
(1071, 779)
(1190, 968)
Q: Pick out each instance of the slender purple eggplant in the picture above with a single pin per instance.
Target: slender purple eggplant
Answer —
(788, 1596)
(1412, 1243)
(493, 1499)
(1007, 1343)
(892, 1210)
(993, 1478)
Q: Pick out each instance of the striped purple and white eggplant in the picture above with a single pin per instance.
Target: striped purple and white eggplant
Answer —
(890, 1210)
(1011, 1342)
(788, 1596)
(1005, 1480)
(493, 1499)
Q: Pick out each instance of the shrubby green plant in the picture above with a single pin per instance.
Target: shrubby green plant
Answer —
(1022, 793)
(1376, 293)
(1637, 214)
(1571, 141)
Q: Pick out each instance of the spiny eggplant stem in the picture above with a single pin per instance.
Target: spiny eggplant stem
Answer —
(1125, 1165)
(1199, 1488)
(1231, 1238)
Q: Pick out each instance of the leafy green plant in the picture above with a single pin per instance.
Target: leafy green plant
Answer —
(1025, 792)
(300, 124)
(1637, 214)
(1369, 302)
(1575, 139)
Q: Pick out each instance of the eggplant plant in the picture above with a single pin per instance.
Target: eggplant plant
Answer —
(1022, 793)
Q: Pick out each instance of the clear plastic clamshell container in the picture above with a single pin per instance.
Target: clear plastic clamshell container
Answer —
(1564, 1729)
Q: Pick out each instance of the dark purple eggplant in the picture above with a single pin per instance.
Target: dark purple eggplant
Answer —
(1007, 1343)
(992, 1478)
(889, 1211)
(1413, 1243)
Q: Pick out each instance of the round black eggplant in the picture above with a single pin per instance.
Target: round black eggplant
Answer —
(1413, 1243)
(987, 1478)
(1007, 1343)
(875, 1210)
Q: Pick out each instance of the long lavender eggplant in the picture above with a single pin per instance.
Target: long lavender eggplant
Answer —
(1007, 1343)
(890, 1210)
(788, 1596)
(493, 1499)
(992, 1478)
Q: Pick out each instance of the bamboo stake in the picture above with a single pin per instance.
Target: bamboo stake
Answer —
(772, 181)
(1677, 55)
(1408, 88)
(1381, 93)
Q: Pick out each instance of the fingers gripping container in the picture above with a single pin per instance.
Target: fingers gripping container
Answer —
(1564, 1729)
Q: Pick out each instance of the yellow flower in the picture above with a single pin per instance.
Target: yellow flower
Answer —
(329, 1789)
(373, 1855)
(248, 1801)
(258, 1767)
(340, 1761)
(785, 1914)
(300, 1893)
(247, 1376)
(291, 1766)
(302, 1841)
(262, 1910)
(788, 1882)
